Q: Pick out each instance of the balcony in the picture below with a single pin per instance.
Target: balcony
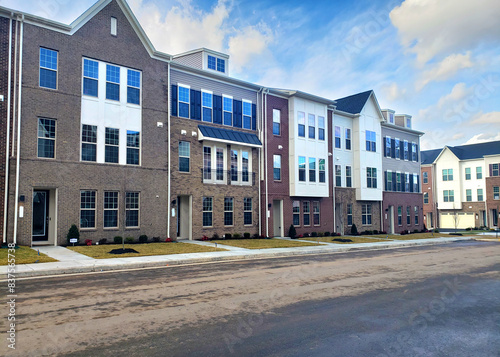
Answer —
(228, 177)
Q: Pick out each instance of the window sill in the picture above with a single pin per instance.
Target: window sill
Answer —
(94, 229)
(111, 228)
(132, 228)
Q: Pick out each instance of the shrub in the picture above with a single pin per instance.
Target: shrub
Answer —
(73, 233)
(354, 230)
(314, 234)
(129, 240)
(236, 236)
(255, 236)
(103, 241)
(468, 229)
(169, 240)
(327, 234)
(337, 234)
(382, 232)
(204, 238)
(228, 236)
(375, 231)
(143, 238)
(300, 236)
(321, 234)
(403, 233)
(344, 240)
(246, 235)
(118, 239)
(415, 231)
(88, 241)
(292, 232)
(215, 236)
(436, 230)
(306, 235)
(156, 239)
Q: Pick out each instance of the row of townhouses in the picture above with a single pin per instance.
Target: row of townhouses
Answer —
(101, 130)
(461, 186)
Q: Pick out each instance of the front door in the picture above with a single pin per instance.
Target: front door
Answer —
(40, 215)
(277, 218)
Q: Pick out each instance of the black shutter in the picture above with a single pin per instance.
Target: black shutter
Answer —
(217, 109)
(385, 178)
(254, 117)
(394, 183)
(393, 148)
(237, 107)
(173, 96)
(411, 183)
(418, 183)
(385, 146)
(402, 150)
(195, 104)
(417, 151)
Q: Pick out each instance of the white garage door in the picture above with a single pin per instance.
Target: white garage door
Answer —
(463, 220)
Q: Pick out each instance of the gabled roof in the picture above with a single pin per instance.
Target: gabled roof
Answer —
(227, 135)
(429, 156)
(353, 104)
(300, 94)
(464, 152)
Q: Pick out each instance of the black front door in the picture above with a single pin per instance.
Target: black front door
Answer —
(40, 215)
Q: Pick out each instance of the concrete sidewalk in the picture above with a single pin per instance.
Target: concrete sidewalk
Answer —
(70, 262)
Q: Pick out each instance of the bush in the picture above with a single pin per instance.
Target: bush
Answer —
(103, 241)
(143, 238)
(354, 230)
(321, 234)
(436, 230)
(88, 241)
(256, 236)
(129, 240)
(169, 240)
(306, 235)
(403, 233)
(73, 233)
(204, 238)
(156, 239)
(215, 236)
(337, 234)
(327, 234)
(468, 229)
(382, 232)
(375, 231)
(246, 235)
(314, 234)
(228, 236)
(344, 240)
(118, 239)
(415, 231)
(236, 236)
(292, 232)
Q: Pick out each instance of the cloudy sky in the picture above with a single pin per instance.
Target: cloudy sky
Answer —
(438, 61)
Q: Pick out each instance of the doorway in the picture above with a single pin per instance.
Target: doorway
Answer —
(184, 217)
(41, 199)
(391, 220)
(278, 218)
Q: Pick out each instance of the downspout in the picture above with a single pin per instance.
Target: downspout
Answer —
(168, 143)
(15, 94)
(18, 151)
(382, 213)
(332, 173)
(265, 162)
(259, 109)
(7, 142)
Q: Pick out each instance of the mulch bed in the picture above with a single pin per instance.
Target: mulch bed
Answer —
(123, 251)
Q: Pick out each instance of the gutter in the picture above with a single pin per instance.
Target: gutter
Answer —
(259, 109)
(7, 142)
(169, 150)
(265, 162)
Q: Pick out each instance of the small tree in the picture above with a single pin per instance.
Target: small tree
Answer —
(73, 233)
(292, 233)
(354, 230)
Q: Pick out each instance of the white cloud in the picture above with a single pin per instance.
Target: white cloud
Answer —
(65, 11)
(246, 44)
(435, 28)
(393, 91)
(486, 118)
(483, 137)
(446, 69)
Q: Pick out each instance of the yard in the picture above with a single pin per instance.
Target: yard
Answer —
(24, 255)
(355, 239)
(262, 243)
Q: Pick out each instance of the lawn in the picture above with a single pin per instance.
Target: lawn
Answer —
(413, 236)
(353, 238)
(262, 243)
(102, 251)
(25, 255)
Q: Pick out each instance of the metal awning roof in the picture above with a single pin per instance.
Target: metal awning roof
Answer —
(228, 136)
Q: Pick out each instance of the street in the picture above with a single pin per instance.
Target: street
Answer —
(441, 300)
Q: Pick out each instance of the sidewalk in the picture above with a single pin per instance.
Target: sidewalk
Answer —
(70, 262)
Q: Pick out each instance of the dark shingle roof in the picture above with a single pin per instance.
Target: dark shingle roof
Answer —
(229, 135)
(354, 103)
(429, 156)
(464, 152)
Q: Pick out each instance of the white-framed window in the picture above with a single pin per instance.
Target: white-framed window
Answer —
(184, 100)
(389, 181)
(400, 215)
(312, 169)
(111, 148)
(425, 176)
(426, 197)
(449, 195)
(216, 64)
(316, 213)
(407, 182)
(408, 215)
(448, 175)
(415, 183)
(312, 125)
(87, 209)
(399, 183)
(227, 102)
(348, 139)
(413, 152)
(212, 62)
(184, 156)
(468, 173)
(207, 105)
(277, 167)
(468, 195)
(338, 175)
(114, 26)
(496, 193)
(48, 68)
(110, 209)
(132, 209)
(133, 147)
(371, 177)
(397, 148)
(338, 137)
(480, 194)
(408, 122)
(240, 166)
(479, 172)
(321, 128)
(348, 176)
(112, 82)
(276, 122)
(301, 121)
(406, 150)
(247, 211)
(371, 141)
(90, 77)
(207, 209)
(133, 87)
(247, 114)
(495, 169)
(416, 215)
(46, 138)
(302, 168)
(322, 170)
(391, 118)
(387, 146)
(296, 213)
(349, 214)
(89, 142)
(306, 213)
(366, 214)
(228, 211)
(211, 175)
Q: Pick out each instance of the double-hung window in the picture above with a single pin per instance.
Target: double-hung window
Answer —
(245, 167)
(296, 213)
(228, 211)
(301, 120)
(89, 142)
(48, 68)
(133, 86)
(449, 195)
(302, 168)
(399, 187)
(316, 213)
(234, 165)
(221, 65)
(388, 186)
(219, 164)
(247, 211)
(338, 137)
(312, 126)
(247, 114)
(46, 138)
(321, 128)
(87, 209)
(312, 169)
(448, 175)
(479, 172)
(348, 176)
(348, 139)
(322, 170)
(228, 110)
(276, 122)
(468, 195)
(184, 101)
(112, 82)
(132, 209)
(406, 152)
(407, 182)
(111, 149)
(338, 175)
(425, 176)
(416, 215)
(184, 156)
(495, 170)
(277, 167)
(306, 213)
(400, 215)
(110, 209)
(207, 102)
(496, 193)
(371, 141)
(413, 152)
(366, 214)
(349, 214)
(207, 163)
(415, 183)
(408, 215)
(467, 173)
(397, 149)
(479, 194)
(90, 77)
(133, 147)
(371, 177)
(387, 146)
(426, 197)
(208, 172)
(212, 62)
(207, 209)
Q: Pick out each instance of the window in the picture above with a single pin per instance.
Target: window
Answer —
(415, 183)
(348, 139)
(388, 185)
(408, 123)
(416, 215)
(366, 214)
(479, 172)
(306, 210)
(228, 211)
(133, 147)
(371, 177)
(387, 146)
(425, 177)
(247, 211)
(426, 197)
(207, 211)
(48, 68)
(110, 209)
(480, 194)
(391, 118)
(111, 148)
(316, 213)
(371, 141)
(217, 64)
(247, 114)
(133, 87)
(322, 171)
(496, 193)
(228, 110)
(468, 195)
(301, 120)
(467, 173)
(302, 168)
(212, 63)
(183, 101)
(397, 148)
(312, 169)
(276, 122)
(219, 164)
(349, 214)
(132, 209)
(296, 213)
(321, 128)
(338, 137)
(407, 182)
(89, 142)
(312, 126)
(494, 170)
(277, 167)
(184, 156)
(448, 195)
(338, 175)
(348, 176)
(207, 103)
(221, 65)
(114, 26)
(399, 187)
(244, 166)
(46, 138)
(90, 77)
(400, 215)
(87, 209)
(413, 152)
(448, 175)
(408, 217)
(112, 82)
(207, 163)
(406, 153)
(234, 165)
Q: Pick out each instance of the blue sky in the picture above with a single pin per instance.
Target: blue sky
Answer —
(438, 61)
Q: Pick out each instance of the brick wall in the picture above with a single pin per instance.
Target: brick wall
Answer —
(403, 199)
(4, 61)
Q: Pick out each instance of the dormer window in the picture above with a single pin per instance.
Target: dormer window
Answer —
(391, 118)
(216, 64)
(408, 122)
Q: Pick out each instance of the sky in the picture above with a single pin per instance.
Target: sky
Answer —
(438, 61)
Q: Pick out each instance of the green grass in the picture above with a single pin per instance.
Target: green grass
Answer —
(413, 236)
(102, 251)
(24, 255)
(354, 239)
(262, 243)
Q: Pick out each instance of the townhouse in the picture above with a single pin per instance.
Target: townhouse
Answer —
(461, 186)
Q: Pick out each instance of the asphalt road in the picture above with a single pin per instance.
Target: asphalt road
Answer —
(426, 301)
